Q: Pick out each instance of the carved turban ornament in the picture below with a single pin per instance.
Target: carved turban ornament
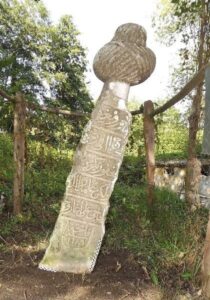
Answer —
(126, 58)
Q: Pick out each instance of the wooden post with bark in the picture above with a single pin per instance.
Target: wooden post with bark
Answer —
(19, 152)
(149, 139)
(193, 167)
(193, 170)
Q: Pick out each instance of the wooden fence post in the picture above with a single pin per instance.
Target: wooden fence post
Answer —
(149, 139)
(19, 152)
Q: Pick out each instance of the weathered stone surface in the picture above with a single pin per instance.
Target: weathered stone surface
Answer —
(79, 230)
(204, 189)
(126, 58)
(176, 183)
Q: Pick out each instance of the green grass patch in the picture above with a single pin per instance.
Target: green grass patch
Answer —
(162, 238)
(166, 239)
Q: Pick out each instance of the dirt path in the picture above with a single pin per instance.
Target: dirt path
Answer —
(112, 279)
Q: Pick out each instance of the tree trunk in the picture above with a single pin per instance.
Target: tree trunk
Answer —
(19, 152)
(206, 133)
(206, 264)
(192, 180)
(193, 167)
(149, 138)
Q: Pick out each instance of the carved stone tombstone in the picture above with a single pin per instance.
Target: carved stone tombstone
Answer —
(80, 227)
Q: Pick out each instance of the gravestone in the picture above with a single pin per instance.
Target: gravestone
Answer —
(80, 227)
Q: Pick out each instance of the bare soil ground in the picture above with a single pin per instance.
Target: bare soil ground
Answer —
(115, 277)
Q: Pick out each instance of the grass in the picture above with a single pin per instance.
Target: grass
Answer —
(166, 240)
(168, 237)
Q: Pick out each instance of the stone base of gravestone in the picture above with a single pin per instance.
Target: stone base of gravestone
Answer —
(176, 183)
(204, 191)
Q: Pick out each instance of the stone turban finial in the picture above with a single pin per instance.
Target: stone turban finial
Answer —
(125, 58)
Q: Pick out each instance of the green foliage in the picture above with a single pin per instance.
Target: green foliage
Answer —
(46, 172)
(60, 132)
(6, 165)
(64, 66)
(184, 25)
(135, 144)
(44, 61)
(171, 136)
(187, 7)
(132, 171)
(36, 53)
(22, 36)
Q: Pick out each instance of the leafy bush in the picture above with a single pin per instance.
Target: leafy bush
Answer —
(6, 157)
(6, 165)
(45, 175)
(171, 136)
(132, 171)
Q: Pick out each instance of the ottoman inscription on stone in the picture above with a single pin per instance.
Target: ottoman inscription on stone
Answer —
(80, 227)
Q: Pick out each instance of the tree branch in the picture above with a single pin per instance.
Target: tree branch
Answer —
(56, 110)
(138, 111)
(43, 107)
(8, 97)
(198, 78)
